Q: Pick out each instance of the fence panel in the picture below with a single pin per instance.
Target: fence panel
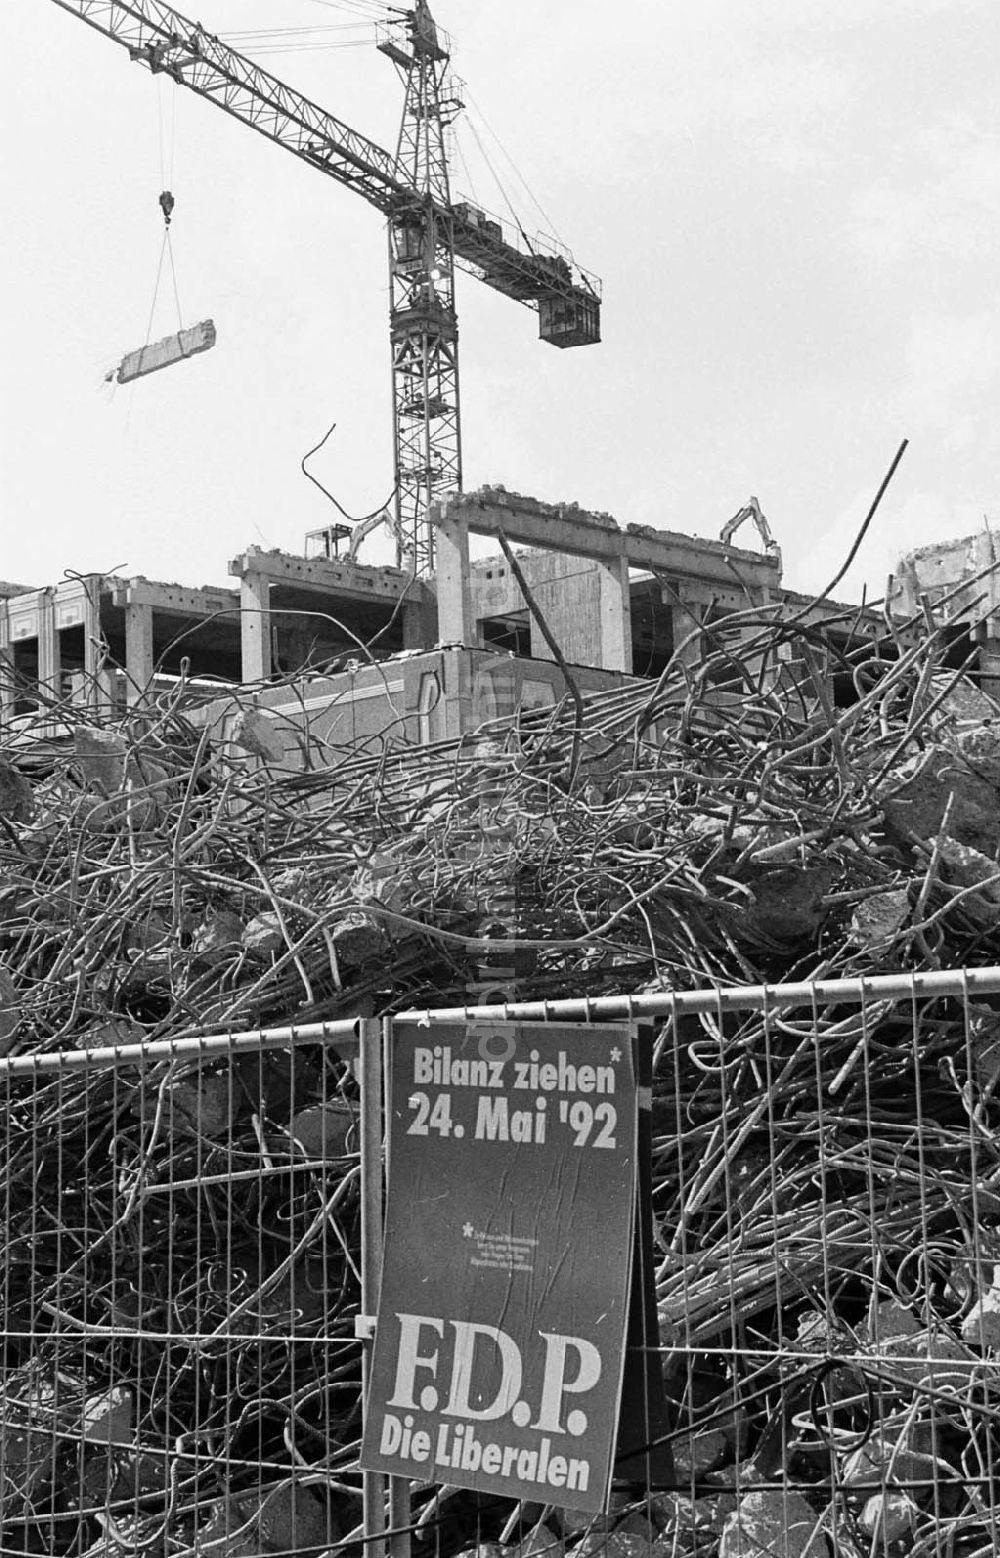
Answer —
(182, 1267)
(180, 1277)
(827, 1209)
(826, 1170)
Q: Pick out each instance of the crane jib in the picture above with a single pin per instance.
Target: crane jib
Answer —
(429, 233)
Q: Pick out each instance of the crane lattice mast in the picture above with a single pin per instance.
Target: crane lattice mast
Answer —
(429, 234)
(423, 322)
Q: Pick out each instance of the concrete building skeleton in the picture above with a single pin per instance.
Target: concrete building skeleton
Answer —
(379, 649)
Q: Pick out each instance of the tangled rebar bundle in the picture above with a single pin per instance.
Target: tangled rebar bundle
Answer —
(180, 1251)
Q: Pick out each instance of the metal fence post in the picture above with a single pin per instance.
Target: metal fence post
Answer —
(400, 1514)
(370, 1078)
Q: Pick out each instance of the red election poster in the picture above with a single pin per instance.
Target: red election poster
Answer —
(500, 1340)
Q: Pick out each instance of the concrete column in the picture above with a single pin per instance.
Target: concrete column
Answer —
(616, 616)
(6, 667)
(48, 645)
(687, 617)
(138, 653)
(456, 680)
(989, 667)
(104, 694)
(419, 622)
(6, 684)
(255, 627)
(92, 646)
(454, 596)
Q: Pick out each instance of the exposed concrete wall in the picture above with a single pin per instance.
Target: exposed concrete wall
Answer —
(966, 571)
(421, 698)
(568, 592)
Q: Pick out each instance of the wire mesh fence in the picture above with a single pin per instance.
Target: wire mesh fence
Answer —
(180, 1275)
(827, 1211)
(183, 1263)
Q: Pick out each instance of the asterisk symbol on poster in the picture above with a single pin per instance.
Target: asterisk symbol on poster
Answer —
(616, 1053)
(467, 1231)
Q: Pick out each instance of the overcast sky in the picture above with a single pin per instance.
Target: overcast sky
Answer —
(794, 205)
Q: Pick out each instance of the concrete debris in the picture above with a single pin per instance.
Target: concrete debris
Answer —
(977, 876)
(216, 938)
(258, 735)
(16, 796)
(100, 757)
(324, 1130)
(981, 1326)
(888, 1517)
(774, 1523)
(108, 1418)
(263, 934)
(10, 1010)
(876, 920)
(803, 1157)
(917, 795)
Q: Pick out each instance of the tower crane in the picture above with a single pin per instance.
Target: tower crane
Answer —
(429, 234)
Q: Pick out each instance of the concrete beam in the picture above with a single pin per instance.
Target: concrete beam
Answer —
(352, 581)
(175, 598)
(255, 627)
(555, 528)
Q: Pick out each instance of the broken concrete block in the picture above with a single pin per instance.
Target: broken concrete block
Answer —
(100, 756)
(161, 354)
(263, 934)
(201, 1103)
(962, 699)
(10, 1010)
(981, 1326)
(541, 1542)
(358, 939)
(883, 1459)
(788, 905)
(886, 1517)
(877, 919)
(699, 1453)
(915, 796)
(17, 803)
(613, 1544)
(980, 748)
(219, 937)
(774, 1523)
(575, 1522)
(107, 1418)
(967, 868)
(258, 735)
(292, 1519)
(322, 1131)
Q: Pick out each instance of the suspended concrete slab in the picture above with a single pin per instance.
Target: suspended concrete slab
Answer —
(161, 354)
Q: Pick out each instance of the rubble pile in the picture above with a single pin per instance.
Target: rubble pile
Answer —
(180, 1256)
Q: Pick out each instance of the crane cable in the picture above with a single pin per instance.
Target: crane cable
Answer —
(513, 166)
(165, 200)
(497, 180)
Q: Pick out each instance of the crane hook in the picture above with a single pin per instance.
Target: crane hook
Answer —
(166, 206)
